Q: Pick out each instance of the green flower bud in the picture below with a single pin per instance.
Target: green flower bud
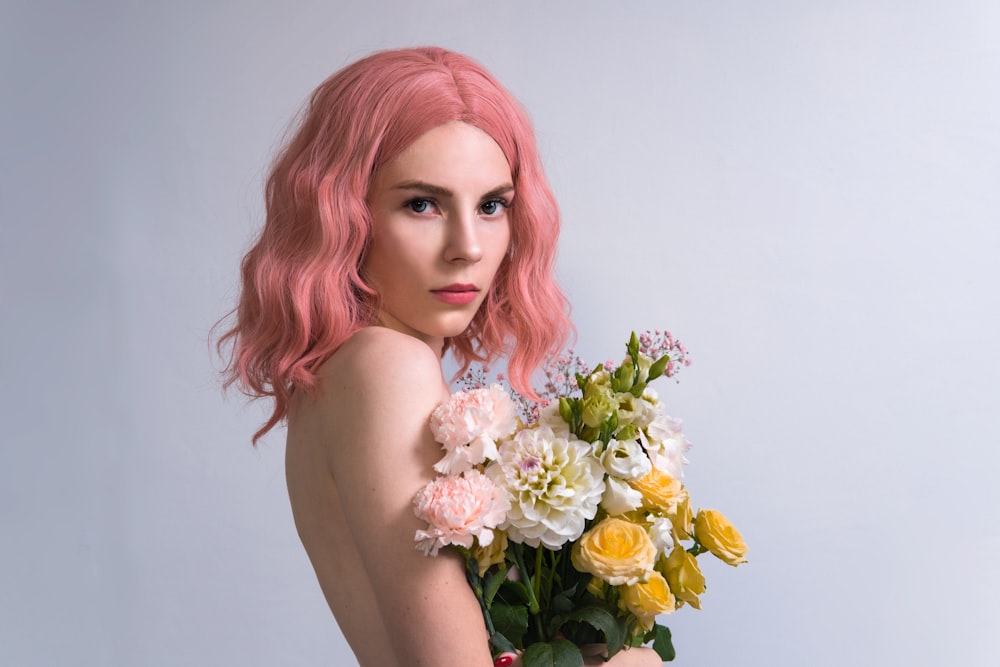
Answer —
(624, 376)
(658, 368)
(565, 410)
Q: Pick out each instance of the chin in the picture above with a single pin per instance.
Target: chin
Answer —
(455, 328)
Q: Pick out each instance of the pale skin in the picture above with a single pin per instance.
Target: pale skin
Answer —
(359, 448)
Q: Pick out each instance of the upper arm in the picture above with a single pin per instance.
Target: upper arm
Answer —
(374, 410)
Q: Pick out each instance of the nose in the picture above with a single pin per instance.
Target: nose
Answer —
(463, 243)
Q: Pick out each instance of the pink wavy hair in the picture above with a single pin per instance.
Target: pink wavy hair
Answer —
(303, 293)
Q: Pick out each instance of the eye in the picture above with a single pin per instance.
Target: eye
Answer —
(493, 206)
(419, 205)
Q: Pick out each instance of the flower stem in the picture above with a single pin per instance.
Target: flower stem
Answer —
(476, 583)
(533, 607)
(539, 571)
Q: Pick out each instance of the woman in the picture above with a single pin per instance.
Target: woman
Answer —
(407, 216)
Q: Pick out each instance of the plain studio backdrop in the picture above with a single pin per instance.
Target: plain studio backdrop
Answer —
(806, 194)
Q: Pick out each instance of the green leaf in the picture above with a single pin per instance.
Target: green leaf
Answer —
(562, 603)
(493, 585)
(560, 653)
(513, 592)
(663, 644)
(604, 622)
(511, 621)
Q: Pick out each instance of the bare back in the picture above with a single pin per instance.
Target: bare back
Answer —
(357, 452)
(323, 529)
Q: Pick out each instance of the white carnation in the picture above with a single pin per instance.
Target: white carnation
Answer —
(554, 483)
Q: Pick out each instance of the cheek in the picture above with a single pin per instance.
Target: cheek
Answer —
(389, 254)
(501, 260)
(500, 241)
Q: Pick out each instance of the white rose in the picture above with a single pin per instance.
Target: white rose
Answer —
(630, 409)
(644, 364)
(619, 497)
(625, 459)
(549, 416)
(651, 405)
(666, 445)
(661, 532)
(601, 378)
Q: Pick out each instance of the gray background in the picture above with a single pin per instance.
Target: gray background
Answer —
(805, 193)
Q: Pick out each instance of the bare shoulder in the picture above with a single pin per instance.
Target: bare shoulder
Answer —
(381, 358)
(379, 376)
(376, 391)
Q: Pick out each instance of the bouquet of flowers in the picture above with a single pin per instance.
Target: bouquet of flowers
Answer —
(571, 513)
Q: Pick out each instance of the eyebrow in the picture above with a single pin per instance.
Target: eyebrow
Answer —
(439, 191)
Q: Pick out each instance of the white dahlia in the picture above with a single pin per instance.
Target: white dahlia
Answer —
(555, 484)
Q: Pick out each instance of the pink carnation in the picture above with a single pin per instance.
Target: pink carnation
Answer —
(468, 425)
(458, 509)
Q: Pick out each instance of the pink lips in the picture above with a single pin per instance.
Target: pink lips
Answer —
(458, 294)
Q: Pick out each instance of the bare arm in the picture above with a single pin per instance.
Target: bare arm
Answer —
(373, 411)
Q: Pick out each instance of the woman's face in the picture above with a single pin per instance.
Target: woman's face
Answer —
(440, 231)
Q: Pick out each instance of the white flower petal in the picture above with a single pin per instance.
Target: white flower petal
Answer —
(619, 497)
(625, 459)
(554, 485)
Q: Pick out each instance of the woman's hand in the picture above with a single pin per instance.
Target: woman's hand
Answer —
(507, 660)
(595, 654)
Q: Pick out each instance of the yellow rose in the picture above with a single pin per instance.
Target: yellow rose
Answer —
(596, 587)
(684, 576)
(716, 534)
(681, 520)
(486, 557)
(616, 551)
(659, 491)
(646, 600)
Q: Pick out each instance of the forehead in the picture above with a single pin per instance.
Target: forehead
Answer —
(448, 152)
